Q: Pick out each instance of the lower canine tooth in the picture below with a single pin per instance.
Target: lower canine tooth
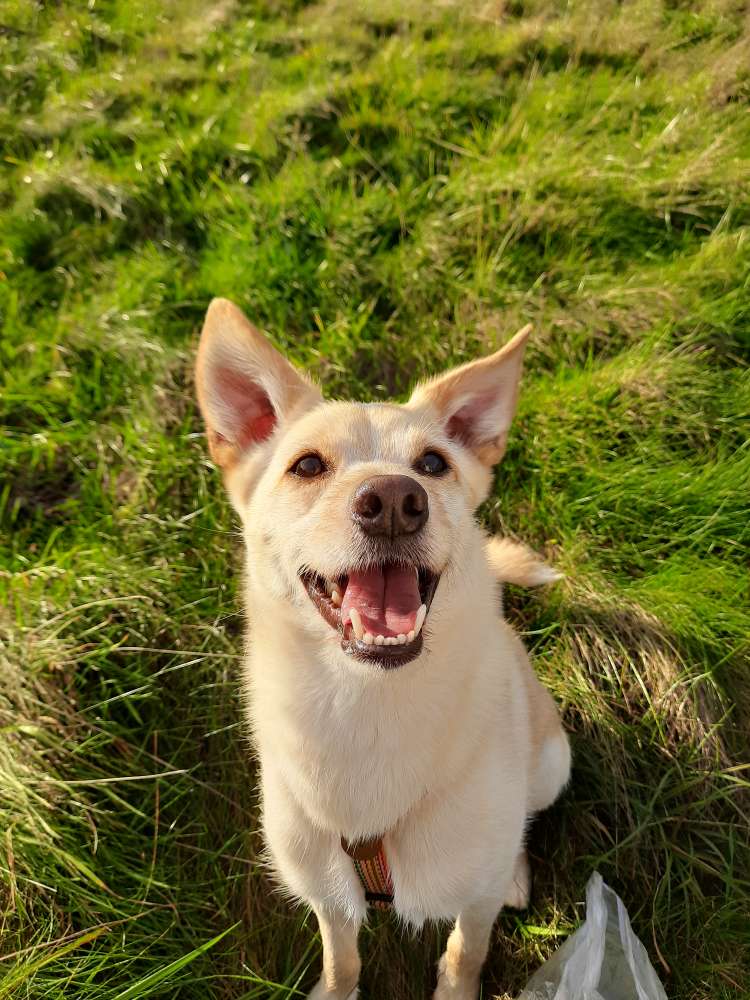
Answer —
(421, 614)
(356, 622)
(336, 598)
(410, 636)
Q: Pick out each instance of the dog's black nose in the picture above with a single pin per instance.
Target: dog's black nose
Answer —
(390, 505)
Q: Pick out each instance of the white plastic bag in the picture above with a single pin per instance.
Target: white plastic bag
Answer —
(602, 960)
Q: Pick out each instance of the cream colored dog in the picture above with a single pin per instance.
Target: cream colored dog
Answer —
(389, 701)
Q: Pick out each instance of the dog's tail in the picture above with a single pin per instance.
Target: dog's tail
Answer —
(512, 562)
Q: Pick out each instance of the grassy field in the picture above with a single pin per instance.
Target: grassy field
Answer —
(387, 189)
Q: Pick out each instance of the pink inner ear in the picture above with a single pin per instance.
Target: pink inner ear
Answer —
(462, 426)
(252, 413)
(457, 428)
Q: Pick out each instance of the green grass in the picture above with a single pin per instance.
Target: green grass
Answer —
(386, 192)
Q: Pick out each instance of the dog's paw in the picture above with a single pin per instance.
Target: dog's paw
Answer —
(519, 890)
(458, 988)
(458, 992)
(321, 992)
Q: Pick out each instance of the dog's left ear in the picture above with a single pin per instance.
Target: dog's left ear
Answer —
(246, 389)
(477, 401)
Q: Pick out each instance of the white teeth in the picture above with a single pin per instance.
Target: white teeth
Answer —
(420, 619)
(335, 598)
(389, 640)
(356, 623)
(382, 640)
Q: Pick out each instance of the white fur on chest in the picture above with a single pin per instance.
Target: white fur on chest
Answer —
(432, 755)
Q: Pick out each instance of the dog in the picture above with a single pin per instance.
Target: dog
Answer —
(403, 739)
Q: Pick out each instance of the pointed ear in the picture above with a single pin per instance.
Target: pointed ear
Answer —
(245, 387)
(476, 402)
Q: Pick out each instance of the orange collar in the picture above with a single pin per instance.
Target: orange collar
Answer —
(373, 871)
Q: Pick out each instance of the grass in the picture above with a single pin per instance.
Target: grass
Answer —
(387, 190)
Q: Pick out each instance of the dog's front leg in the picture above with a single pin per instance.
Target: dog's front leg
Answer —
(341, 962)
(465, 952)
(312, 865)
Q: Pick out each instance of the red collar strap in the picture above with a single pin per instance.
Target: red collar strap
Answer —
(371, 866)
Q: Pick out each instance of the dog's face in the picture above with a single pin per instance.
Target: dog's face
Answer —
(352, 512)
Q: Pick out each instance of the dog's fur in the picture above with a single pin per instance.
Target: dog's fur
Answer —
(445, 757)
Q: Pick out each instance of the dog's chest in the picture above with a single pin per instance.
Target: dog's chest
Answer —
(424, 759)
(358, 757)
(354, 772)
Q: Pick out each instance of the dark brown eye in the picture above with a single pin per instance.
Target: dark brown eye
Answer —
(431, 464)
(308, 467)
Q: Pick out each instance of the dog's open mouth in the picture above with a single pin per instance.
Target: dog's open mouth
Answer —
(379, 611)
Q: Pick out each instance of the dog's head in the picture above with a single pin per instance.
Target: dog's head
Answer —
(352, 512)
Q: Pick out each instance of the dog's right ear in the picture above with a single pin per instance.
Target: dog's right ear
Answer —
(245, 387)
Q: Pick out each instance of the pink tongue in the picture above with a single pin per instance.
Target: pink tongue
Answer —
(387, 599)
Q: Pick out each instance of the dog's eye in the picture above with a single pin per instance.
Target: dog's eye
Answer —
(431, 464)
(308, 467)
